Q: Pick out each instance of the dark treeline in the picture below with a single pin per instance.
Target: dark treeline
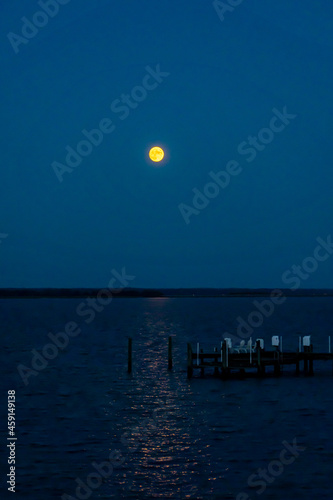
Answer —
(152, 292)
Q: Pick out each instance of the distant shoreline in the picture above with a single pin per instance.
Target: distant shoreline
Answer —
(34, 293)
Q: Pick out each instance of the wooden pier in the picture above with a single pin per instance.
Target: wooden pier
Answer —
(254, 359)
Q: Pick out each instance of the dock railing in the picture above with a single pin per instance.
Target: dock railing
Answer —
(254, 356)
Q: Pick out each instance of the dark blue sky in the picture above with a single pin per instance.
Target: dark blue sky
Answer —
(115, 209)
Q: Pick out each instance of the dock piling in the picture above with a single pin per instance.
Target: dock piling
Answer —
(229, 360)
(277, 368)
(129, 361)
(306, 348)
(311, 360)
(216, 370)
(225, 359)
(306, 369)
(297, 357)
(250, 350)
(259, 365)
(170, 354)
(189, 361)
(202, 370)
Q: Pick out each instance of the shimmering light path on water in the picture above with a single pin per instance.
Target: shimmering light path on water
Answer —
(176, 439)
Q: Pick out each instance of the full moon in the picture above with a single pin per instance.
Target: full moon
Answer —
(156, 154)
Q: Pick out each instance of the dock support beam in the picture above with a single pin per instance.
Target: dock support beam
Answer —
(311, 360)
(170, 354)
(202, 370)
(277, 368)
(259, 363)
(224, 359)
(297, 362)
(189, 361)
(306, 349)
(129, 364)
(216, 359)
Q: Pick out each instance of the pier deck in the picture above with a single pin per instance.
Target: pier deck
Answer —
(227, 360)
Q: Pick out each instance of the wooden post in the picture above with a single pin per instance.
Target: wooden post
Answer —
(202, 370)
(250, 350)
(311, 360)
(224, 355)
(277, 370)
(297, 357)
(259, 367)
(170, 354)
(189, 361)
(306, 359)
(129, 368)
(216, 370)
(224, 359)
(329, 350)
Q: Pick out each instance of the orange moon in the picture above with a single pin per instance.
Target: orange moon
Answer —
(156, 154)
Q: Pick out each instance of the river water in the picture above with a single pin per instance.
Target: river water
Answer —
(154, 434)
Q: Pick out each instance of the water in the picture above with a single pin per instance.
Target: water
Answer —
(198, 439)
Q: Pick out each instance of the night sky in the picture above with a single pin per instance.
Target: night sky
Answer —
(244, 95)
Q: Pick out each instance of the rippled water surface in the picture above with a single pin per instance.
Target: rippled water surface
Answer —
(166, 436)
